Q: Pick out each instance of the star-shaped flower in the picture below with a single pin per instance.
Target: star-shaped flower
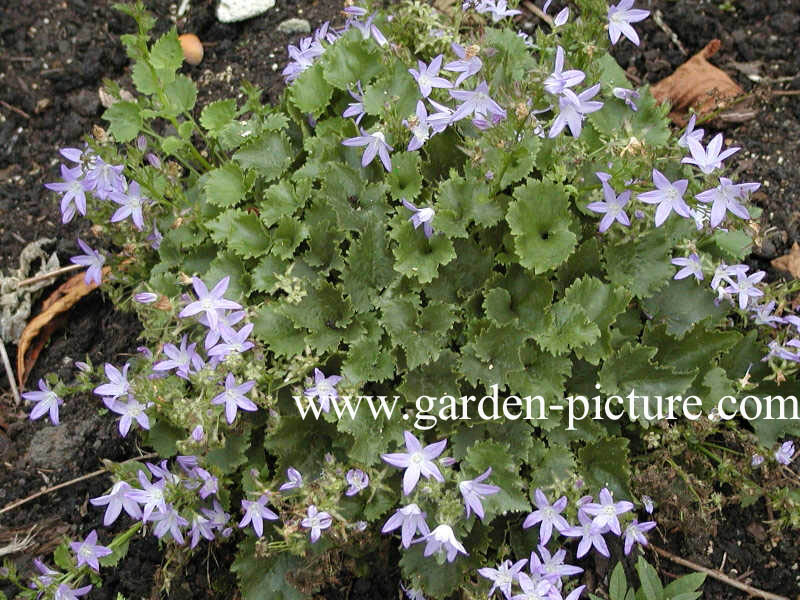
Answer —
(573, 109)
(549, 515)
(316, 521)
(613, 206)
(427, 76)
(668, 196)
(606, 512)
(115, 501)
(255, 512)
(620, 17)
(421, 216)
(210, 303)
(559, 80)
(92, 259)
(443, 538)
(710, 158)
(234, 397)
(89, 551)
(375, 145)
(410, 519)
(46, 401)
(691, 266)
(473, 491)
(504, 576)
(417, 461)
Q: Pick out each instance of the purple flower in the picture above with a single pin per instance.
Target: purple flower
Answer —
(324, 389)
(419, 126)
(785, 453)
(591, 534)
(476, 102)
(64, 592)
(438, 121)
(218, 517)
(668, 196)
(47, 576)
(552, 567)
(368, 29)
(130, 411)
(724, 198)
(355, 109)
(155, 238)
(211, 303)
(316, 521)
(648, 504)
(145, 297)
(613, 206)
(745, 287)
(421, 216)
(375, 145)
(295, 480)
(118, 385)
(620, 18)
(131, 203)
(46, 401)
(234, 341)
(756, 461)
(473, 491)
(573, 109)
(74, 189)
(534, 588)
(358, 480)
(497, 8)
(201, 527)
(783, 351)
(549, 515)
(151, 496)
(115, 501)
(468, 65)
(169, 521)
(92, 259)
(710, 158)
(427, 76)
(443, 538)
(102, 179)
(417, 461)
(691, 134)
(255, 512)
(411, 519)
(234, 397)
(559, 80)
(691, 266)
(629, 96)
(634, 532)
(88, 551)
(181, 359)
(561, 18)
(504, 576)
(606, 512)
(302, 56)
(225, 318)
(763, 315)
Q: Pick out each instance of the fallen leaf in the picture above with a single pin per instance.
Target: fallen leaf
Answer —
(789, 262)
(39, 329)
(699, 85)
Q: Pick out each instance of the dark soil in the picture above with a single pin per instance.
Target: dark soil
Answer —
(54, 55)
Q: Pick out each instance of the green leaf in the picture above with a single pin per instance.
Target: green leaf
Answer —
(605, 464)
(684, 585)
(642, 265)
(265, 578)
(682, 304)
(225, 186)
(696, 350)
(280, 200)
(310, 93)
(460, 201)
(163, 438)
(125, 120)
(396, 92)
(270, 154)
(166, 55)
(227, 264)
(287, 236)
(241, 231)
(540, 223)
(232, 455)
(265, 275)
(369, 266)
(144, 79)
(602, 304)
(568, 327)
(277, 331)
(631, 370)
(120, 549)
(217, 115)
(405, 180)
(734, 245)
(554, 465)
(350, 60)
(415, 255)
(505, 464)
(181, 94)
(651, 584)
(618, 584)
(520, 160)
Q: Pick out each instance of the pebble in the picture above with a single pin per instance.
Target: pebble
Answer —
(290, 26)
(232, 11)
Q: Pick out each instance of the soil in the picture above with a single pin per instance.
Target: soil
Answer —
(54, 56)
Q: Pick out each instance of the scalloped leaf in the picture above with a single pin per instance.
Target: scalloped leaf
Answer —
(540, 222)
(642, 265)
(415, 255)
(310, 93)
(225, 186)
(270, 154)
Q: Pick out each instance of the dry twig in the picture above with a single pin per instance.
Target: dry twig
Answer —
(9, 372)
(43, 276)
(17, 503)
(538, 12)
(717, 575)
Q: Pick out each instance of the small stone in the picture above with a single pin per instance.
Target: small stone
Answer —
(290, 26)
(232, 11)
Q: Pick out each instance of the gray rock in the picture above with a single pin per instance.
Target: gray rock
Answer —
(54, 446)
(290, 26)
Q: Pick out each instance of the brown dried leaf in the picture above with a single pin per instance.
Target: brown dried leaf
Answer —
(699, 85)
(789, 262)
(39, 329)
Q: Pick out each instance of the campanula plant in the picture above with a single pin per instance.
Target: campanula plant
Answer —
(438, 216)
